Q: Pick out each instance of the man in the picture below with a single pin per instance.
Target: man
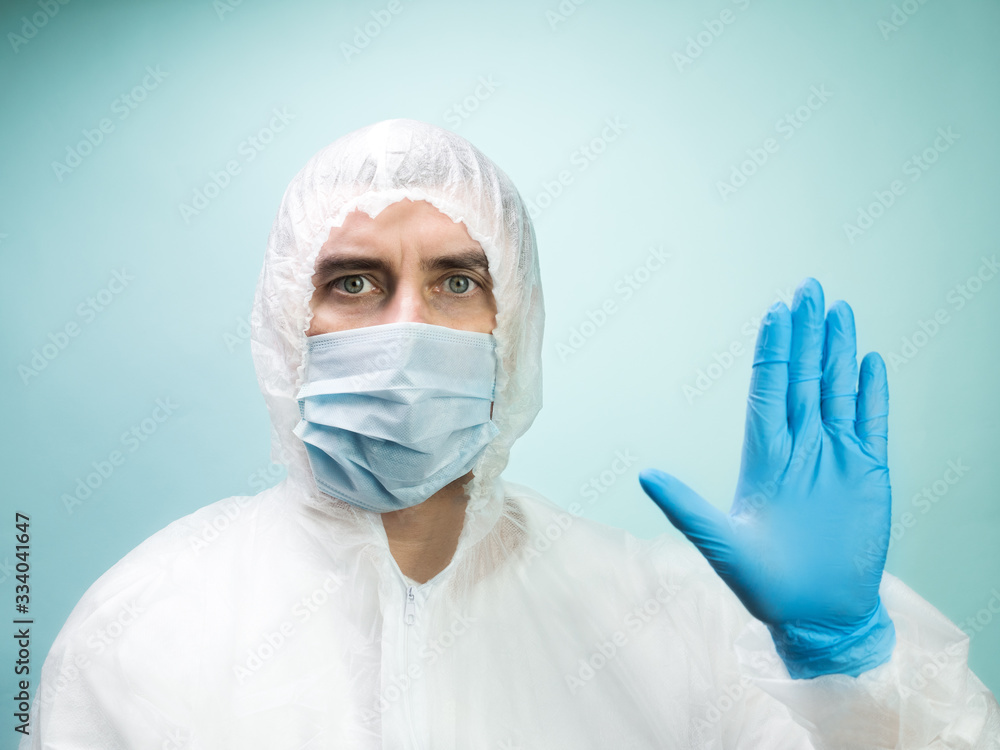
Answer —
(393, 591)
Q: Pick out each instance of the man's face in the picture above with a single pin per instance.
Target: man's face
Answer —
(411, 263)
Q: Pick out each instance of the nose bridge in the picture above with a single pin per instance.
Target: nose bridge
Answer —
(409, 304)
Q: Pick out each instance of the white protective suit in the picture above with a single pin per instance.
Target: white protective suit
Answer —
(281, 620)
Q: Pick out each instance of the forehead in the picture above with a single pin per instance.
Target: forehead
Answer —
(406, 223)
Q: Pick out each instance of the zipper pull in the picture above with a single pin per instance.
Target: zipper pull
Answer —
(410, 610)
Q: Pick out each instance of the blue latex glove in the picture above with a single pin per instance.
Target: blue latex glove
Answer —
(804, 544)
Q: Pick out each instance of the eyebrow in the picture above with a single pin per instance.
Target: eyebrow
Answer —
(472, 259)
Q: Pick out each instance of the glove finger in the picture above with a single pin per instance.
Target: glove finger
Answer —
(872, 425)
(767, 404)
(838, 388)
(805, 364)
(705, 525)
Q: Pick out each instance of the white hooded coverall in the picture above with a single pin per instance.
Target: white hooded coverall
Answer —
(282, 621)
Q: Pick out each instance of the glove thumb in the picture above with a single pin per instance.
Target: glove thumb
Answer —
(705, 525)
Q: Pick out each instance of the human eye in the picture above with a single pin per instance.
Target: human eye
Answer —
(460, 284)
(353, 285)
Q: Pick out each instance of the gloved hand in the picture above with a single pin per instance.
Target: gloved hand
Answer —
(804, 544)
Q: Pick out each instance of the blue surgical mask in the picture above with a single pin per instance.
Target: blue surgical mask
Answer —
(392, 413)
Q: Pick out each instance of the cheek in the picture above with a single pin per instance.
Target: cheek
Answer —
(316, 309)
(478, 316)
(491, 321)
(492, 312)
(487, 322)
(483, 317)
(325, 320)
(324, 317)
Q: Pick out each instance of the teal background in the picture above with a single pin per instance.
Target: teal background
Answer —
(178, 331)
